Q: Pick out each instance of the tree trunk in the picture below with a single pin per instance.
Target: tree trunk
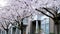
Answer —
(57, 26)
(6, 31)
(22, 31)
(58, 29)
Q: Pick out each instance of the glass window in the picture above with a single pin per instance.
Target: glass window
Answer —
(14, 30)
(47, 28)
(3, 32)
(17, 31)
(9, 31)
(25, 21)
(45, 25)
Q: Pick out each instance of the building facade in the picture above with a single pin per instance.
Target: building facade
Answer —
(35, 24)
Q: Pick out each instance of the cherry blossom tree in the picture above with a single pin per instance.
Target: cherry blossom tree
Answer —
(5, 25)
(19, 19)
(20, 9)
(55, 15)
(52, 7)
(18, 13)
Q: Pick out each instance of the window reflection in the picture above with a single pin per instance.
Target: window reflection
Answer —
(45, 24)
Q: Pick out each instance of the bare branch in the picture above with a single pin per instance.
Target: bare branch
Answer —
(6, 18)
(2, 26)
(49, 11)
(5, 23)
(10, 23)
(55, 11)
(26, 17)
(56, 8)
(43, 13)
(13, 16)
(17, 12)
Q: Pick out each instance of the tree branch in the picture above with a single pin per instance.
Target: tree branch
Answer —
(10, 22)
(17, 12)
(44, 13)
(13, 16)
(2, 26)
(5, 23)
(49, 11)
(6, 18)
(55, 11)
(26, 17)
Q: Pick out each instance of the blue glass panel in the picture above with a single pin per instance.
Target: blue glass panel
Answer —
(45, 25)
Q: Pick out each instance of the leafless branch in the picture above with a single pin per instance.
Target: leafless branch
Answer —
(17, 12)
(13, 16)
(5, 18)
(48, 11)
(55, 11)
(2, 26)
(26, 17)
(6, 23)
(44, 13)
(10, 23)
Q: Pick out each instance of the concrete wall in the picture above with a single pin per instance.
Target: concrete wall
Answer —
(28, 26)
(51, 26)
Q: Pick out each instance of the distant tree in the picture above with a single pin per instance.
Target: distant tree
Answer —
(19, 19)
(21, 15)
(18, 12)
(55, 15)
